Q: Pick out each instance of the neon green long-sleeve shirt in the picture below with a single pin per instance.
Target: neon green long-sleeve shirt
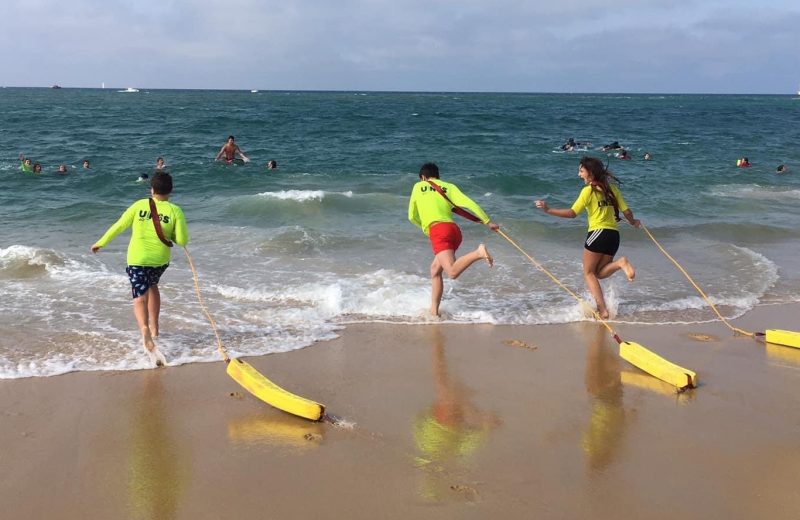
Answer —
(426, 206)
(145, 248)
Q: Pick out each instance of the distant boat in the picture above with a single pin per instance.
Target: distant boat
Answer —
(254, 91)
(56, 86)
(129, 89)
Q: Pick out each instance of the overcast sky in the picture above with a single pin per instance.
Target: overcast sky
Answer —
(670, 46)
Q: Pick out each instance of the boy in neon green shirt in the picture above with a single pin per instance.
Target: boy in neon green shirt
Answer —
(148, 256)
(431, 212)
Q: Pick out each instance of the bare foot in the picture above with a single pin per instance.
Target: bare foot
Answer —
(160, 360)
(485, 255)
(603, 314)
(626, 266)
(435, 313)
(147, 340)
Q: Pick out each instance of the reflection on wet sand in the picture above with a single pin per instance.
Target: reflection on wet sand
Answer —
(783, 355)
(275, 430)
(603, 435)
(156, 474)
(647, 382)
(449, 432)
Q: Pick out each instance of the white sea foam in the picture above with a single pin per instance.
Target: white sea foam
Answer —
(261, 312)
(755, 191)
(16, 256)
(302, 195)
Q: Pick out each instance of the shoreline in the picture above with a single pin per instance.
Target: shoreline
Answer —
(540, 421)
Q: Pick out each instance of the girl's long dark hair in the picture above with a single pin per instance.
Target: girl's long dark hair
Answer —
(602, 179)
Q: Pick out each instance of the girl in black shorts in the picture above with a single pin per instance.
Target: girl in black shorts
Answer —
(603, 202)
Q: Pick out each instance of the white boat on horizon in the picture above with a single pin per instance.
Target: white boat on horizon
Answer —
(129, 89)
(254, 91)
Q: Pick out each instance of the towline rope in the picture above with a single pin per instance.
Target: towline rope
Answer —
(736, 330)
(560, 284)
(220, 348)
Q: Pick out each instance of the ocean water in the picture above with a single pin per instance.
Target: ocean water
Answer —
(288, 257)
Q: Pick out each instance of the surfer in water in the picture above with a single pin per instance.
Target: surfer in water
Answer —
(148, 256)
(431, 212)
(603, 202)
(229, 150)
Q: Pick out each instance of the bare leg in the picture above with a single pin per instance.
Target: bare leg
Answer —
(604, 270)
(437, 285)
(446, 261)
(590, 263)
(153, 308)
(140, 313)
(454, 267)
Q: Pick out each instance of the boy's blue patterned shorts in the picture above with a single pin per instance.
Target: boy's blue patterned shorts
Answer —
(143, 277)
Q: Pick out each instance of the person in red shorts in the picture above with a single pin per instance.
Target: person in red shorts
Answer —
(433, 213)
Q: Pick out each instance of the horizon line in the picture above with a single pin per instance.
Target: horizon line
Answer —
(56, 86)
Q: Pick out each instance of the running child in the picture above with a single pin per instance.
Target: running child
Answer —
(148, 256)
(602, 201)
(433, 213)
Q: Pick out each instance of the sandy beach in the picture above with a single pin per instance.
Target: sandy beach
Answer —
(450, 421)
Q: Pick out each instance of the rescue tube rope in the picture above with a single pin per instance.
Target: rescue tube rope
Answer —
(220, 348)
(560, 284)
(736, 330)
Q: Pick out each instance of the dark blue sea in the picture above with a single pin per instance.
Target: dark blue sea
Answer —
(288, 257)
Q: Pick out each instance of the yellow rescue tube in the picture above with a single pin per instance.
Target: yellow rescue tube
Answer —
(655, 365)
(258, 385)
(787, 338)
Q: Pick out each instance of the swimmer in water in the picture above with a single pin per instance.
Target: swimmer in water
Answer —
(25, 164)
(229, 151)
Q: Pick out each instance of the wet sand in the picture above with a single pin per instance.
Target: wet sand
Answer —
(451, 421)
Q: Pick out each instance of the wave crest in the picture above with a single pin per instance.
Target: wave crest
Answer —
(18, 261)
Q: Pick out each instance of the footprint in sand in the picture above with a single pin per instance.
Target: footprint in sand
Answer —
(702, 337)
(469, 492)
(519, 343)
